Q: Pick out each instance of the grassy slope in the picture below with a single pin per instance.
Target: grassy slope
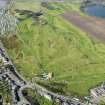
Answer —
(61, 48)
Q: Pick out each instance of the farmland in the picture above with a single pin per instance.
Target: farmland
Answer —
(52, 44)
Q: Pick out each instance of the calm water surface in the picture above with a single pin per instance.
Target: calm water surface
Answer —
(96, 10)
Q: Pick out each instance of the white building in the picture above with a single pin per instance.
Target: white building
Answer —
(98, 94)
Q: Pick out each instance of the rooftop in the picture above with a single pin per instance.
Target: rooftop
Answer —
(99, 91)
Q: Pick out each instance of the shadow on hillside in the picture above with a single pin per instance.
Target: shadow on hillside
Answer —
(28, 14)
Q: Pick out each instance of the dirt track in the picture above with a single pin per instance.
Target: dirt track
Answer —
(91, 25)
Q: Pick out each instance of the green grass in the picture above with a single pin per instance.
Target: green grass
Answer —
(61, 48)
(28, 5)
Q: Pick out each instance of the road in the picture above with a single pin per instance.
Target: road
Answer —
(18, 84)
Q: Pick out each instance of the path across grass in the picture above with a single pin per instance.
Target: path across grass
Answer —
(91, 25)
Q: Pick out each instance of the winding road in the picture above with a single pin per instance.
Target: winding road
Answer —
(9, 73)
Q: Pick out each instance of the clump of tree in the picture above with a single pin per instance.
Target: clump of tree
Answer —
(47, 5)
(36, 98)
(31, 96)
(57, 87)
(102, 103)
(26, 14)
(5, 91)
(29, 13)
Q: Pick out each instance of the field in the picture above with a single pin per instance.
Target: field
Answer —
(55, 45)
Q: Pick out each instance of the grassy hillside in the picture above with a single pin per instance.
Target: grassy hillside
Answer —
(59, 47)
